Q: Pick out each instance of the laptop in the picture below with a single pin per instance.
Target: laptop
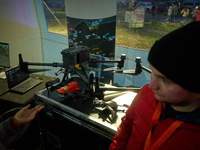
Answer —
(19, 81)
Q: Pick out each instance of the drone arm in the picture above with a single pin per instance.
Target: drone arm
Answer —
(80, 75)
(107, 61)
(83, 69)
(25, 64)
(120, 62)
(146, 69)
(55, 64)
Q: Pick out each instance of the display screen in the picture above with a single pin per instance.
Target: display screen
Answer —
(97, 34)
(4, 55)
(15, 76)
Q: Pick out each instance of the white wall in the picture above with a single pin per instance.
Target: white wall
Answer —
(23, 26)
(19, 28)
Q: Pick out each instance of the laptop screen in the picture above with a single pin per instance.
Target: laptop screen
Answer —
(15, 76)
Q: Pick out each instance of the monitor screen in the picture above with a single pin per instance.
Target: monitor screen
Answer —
(4, 55)
(15, 76)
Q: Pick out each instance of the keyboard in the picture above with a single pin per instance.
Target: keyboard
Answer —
(26, 85)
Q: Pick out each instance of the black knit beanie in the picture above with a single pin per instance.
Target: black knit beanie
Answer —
(177, 56)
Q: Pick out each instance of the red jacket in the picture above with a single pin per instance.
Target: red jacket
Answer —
(198, 16)
(135, 126)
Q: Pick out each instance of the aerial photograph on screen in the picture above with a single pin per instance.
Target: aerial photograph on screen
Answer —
(4, 55)
(97, 34)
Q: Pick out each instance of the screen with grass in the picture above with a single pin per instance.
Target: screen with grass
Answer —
(4, 55)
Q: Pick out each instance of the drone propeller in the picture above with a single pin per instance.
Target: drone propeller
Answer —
(129, 72)
(133, 72)
(111, 69)
(37, 70)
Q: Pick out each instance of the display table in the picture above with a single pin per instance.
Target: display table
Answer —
(76, 122)
(9, 99)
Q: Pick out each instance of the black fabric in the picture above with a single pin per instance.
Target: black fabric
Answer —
(177, 56)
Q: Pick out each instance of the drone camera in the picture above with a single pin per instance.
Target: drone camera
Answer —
(75, 55)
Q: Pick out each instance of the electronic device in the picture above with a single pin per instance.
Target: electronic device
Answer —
(81, 55)
(19, 81)
(75, 55)
(4, 55)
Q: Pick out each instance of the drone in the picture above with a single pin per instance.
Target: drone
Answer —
(92, 89)
(81, 55)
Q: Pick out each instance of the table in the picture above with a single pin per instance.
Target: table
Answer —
(76, 123)
(9, 99)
